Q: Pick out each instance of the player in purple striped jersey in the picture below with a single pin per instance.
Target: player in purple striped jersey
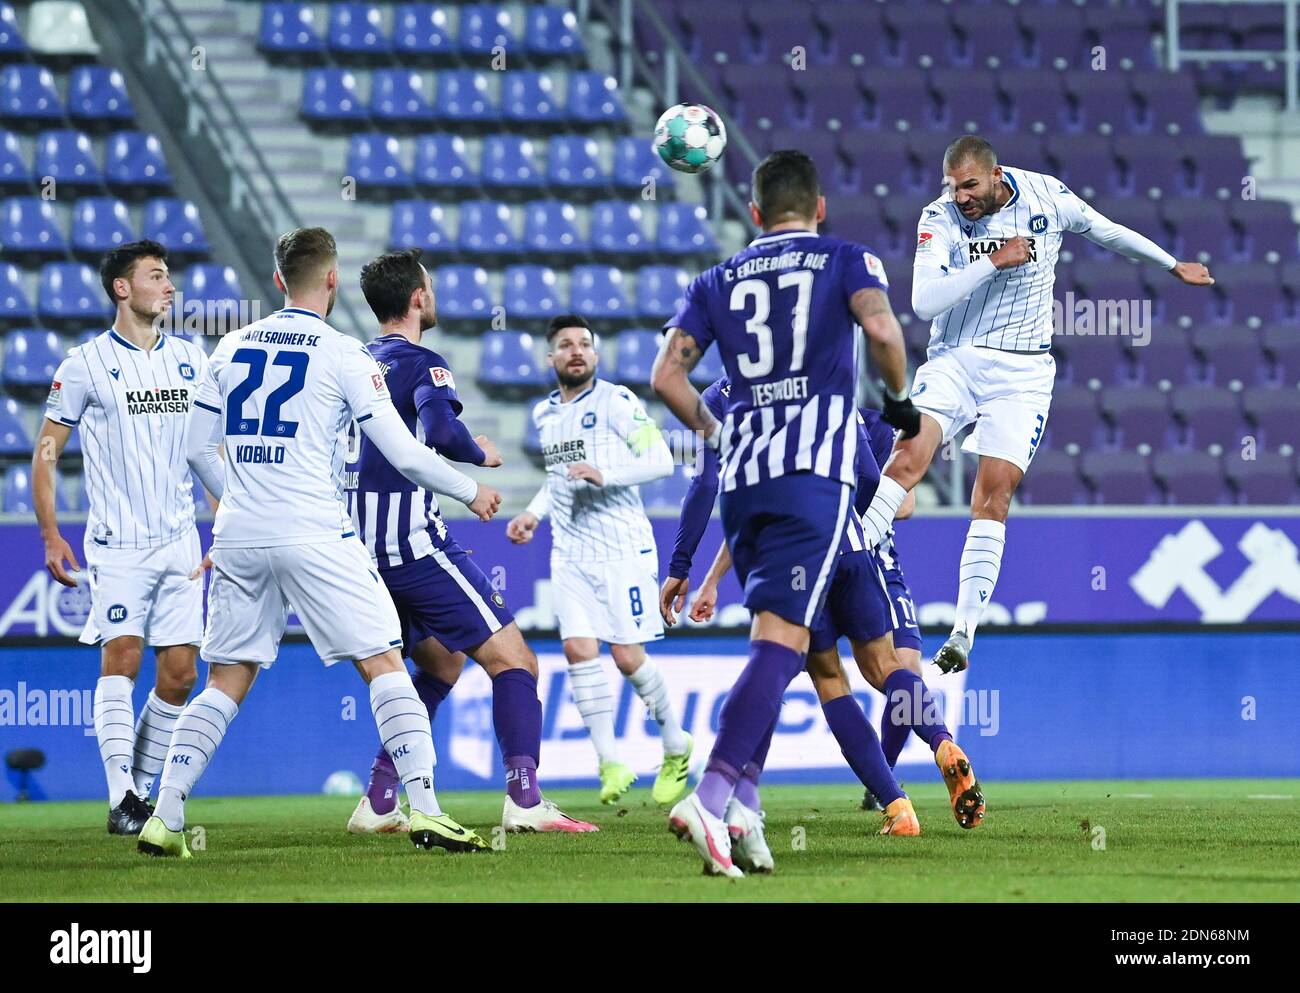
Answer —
(784, 312)
(447, 606)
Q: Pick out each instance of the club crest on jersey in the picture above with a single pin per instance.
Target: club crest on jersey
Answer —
(981, 247)
(186, 370)
(589, 419)
(442, 377)
(116, 614)
(499, 600)
(1038, 223)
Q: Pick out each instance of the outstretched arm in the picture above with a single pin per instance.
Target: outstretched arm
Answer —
(424, 466)
(447, 433)
(678, 355)
(1125, 241)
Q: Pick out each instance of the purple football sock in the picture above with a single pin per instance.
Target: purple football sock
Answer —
(521, 781)
(432, 691)
(382, 790)
(909, 706)
(861, 748)
(517, 717)
(747, 716)
(747, 785)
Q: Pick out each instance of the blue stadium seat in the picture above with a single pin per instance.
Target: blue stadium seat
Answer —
(31, 357)
(487, 227)
(618, 228)
(510, 161)
(71, 295)
(420, 224)
(462, 294)
(528, 97)
(551, 229)
(331, 96)
(375, 161)
(30, 229)
(134, 161)
(684, 230)
(14, 170)
(597, 292)
(552, 32)
(422, 31)
(357, 32)
(28, 95)
(484, 27)
(509, 367)
(15, 307)
(634, 160)
(593, 99)
(572, 161)
(289, 29)
(397, 97)
(659, 289)
(441, 161)
(212, 284)
(97, 97)
(68, 158)
(15, 440)
(18, 498)
(665, 494)
(463, 95)
(12, 45)
(176, 225)
(708, 369)
(530, 292)
(98, 224)
(635, 357)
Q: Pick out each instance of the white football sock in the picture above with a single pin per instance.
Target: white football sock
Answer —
(981, 561)
(879, 517)
(403, 723)
(115, 730)
(649, 684)
(595, 702)
(153, 736)
(198, 732)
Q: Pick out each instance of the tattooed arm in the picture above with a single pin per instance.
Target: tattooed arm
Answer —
(677, 356)
(884, 336)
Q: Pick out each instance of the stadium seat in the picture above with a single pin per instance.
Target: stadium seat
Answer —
(593, 99)
(597, 292)
(1230, 354)
(485, 27)
(1152, 167)
(98, 224)
(708, 369)
(508, 366)
(12, 44)
(659, 290)
(462, 295)
(441, 162)
(530, 292)
(1190, 477)
(71, 295)
(31, 357)
(1054, 480)
(1140, 415)
(552, 32)
(1274, 411)
(1166, 102)
(618, 228)
(635, 161)
(634, 358)
(420, 224)
(356, 33)
(1165, 354)
(397, 97)
(68, 158)
(463, 96)
(665, 494)
(30, 229)
(176, 225)
(97, 97)
(487, 228)
(969, 101)
(510, 161)
(853, 33)
(331, 97)
(779, 26)
(15, 173)
(422, 32)
(986, 41)
(683, 229)
(551, 230)
(216, 290)
(573, 161)
(1281, 344)
(719, 33)
(28, 96)
(60, 29)
(529, 97)
(1268, 478)
(16, 440)
(18, 497)
(1119, 477)
(1074, 419)
(761, 98)
(15, 306)
(134, 163)
(289, 30)
(375, 161)
(891, 101)
(1268, 226)
(1210, 415)
(1090, 358)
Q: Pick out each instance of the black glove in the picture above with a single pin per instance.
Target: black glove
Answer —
(901, 414)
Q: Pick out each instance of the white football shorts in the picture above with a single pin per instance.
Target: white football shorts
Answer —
(615, 602)
(145, 592)
(1006, 394)
(332, 587)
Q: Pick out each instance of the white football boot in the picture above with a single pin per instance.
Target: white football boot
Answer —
(365, 821)
(689, 820)
(544, 816)
(748, 846)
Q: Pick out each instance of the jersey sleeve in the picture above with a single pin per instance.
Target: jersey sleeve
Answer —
(69, 392)
(693, 313)
(1076, 216)
(935, 237)
(436, 383)
(715, 398)
(863, 270)
(208, 393)
(629, 420)
(362, 384)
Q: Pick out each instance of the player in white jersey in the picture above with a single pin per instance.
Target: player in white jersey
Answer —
(280, 394)
(130, 391)
(600, 445)
(984, 271)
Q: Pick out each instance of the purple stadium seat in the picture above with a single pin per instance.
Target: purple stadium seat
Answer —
(597, 292)
(134, 163)
(97, 97)
(718, 33)
(988, 42)
(330, 97)
(1140, 415)
(530, 292)
(1054, 480)
(530, 97)
(1275, 412)
(1036, 102)
(15, 307)
(1110, 278)
(441, 162)
(551, 230)
(29, 229)
(618, 228)
(1125, 36)
(780, 27)
(510, 161)
(1152, 166)
(1074, 418)
(920, 35)
(1269, 478)
(1140, 215)
(1119, 478)
(28, 95)
(1056, 34)
(1229, 353)
(1252, 291)
(683, 229)
(552, 32)
(15, 440)
(31, 357)
(1268, 226)
(969, 101)
(1088, 358)
(1210, 415)
(852, 32)
(462, 294)
(420, 224)
(635, 160)
(356, 32)
(484, 27)
(509, 367)
(1101, 102)
(289, 29)
(398, 96)
(659, 290)
(487, 227)
(762, 95)
(1190, 477)
(573, 162)
(176, 225)
(422, 33)
(98, 224)
(1281, 343)
(375, 161)
(880, 164)
(1165, 355)
(1218, 164)
(892, 103)
(635, 356)
(1084, 162)
(593, 99)
(1202, 230)
(1166, 102)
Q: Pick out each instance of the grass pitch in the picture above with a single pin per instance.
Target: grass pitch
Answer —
(1194, 840)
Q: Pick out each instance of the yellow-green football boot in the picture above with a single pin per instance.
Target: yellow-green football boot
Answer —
(156, 840)
(670, 784)
(443, 832)
(615, 780)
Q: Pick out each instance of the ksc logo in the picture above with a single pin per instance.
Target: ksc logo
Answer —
(589, 419)
(187, 371)
(116, 613)
(1038, 223)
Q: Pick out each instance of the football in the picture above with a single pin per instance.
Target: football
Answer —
(690, 137)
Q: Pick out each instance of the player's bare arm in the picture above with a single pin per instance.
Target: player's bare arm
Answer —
(871, 308)
(679, 353)
(706, 601)
(49, 446)
(1192, 273)
(491, 454)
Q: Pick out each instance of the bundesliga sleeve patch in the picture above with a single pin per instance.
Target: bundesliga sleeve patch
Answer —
(56, 394)
(378, 380)
(442, 377)
(923, 240)
(875, 267)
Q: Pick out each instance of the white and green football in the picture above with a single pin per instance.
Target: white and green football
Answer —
(690, 137)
